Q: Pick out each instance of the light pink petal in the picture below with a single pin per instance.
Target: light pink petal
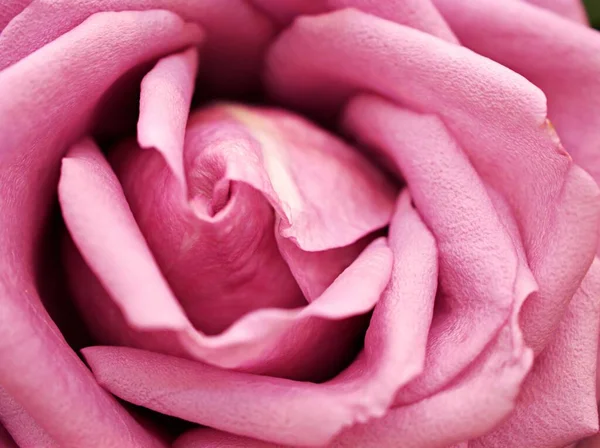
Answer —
(23, 429)
(236, 33)
(558, 56)
(480, 274)
(418, 14)
(557, 404)
(165, 99)
(571, 9)
(483, 397)
(65, 80)
(204, 437)
(10, 9)
(320, 60)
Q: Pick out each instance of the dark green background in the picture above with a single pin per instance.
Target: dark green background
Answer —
(593, 7)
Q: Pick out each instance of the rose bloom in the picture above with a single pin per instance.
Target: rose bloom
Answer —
(328, 223)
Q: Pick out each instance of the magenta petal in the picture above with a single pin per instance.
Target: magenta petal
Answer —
(165, 102)
(236, 33)
(6, 441)
(480, 275)
(320, 60)
(23, 429)
(204, 437)
(65, 78)
(558, 56)
(571, 9)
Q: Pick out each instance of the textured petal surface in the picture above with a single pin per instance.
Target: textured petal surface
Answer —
(557, 404)
(571, 9)
(23, 429)
(560, 57)
(480, 274)
(65, 79)
(290, 412)
(10, 9)
(506, 136)
(236, 33)
(165, 99)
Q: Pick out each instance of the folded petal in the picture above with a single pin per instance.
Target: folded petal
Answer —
(23, 429)
(507, 137)
(558, 56)
(480, 273)
(165, 99)
(571, 9)
(557, 404)
(236, 33)
(305, 413)
(65, 80)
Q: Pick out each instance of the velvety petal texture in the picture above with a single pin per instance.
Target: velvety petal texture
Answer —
(66, 79)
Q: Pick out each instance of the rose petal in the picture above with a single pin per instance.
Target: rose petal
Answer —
(555, 203)
(65, 79)
(557, 404)
(305, 413)
(418, 14)
(541, 46)
(10, 9)
(23, 429)
(165, 99)
(571, 9)
(201, 438)
(483, 397)
(480, 274)
(237, 33)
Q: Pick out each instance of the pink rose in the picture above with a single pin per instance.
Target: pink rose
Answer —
(393, 249)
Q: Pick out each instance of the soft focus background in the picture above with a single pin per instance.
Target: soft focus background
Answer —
(593, 8)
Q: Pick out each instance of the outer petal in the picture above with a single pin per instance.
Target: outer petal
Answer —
(571, 9)
(65, 79)
(506, 136)
(558, 56)
(237, 33)
(481, 276)
(297, 413)
(24, 430)
(557, 404)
